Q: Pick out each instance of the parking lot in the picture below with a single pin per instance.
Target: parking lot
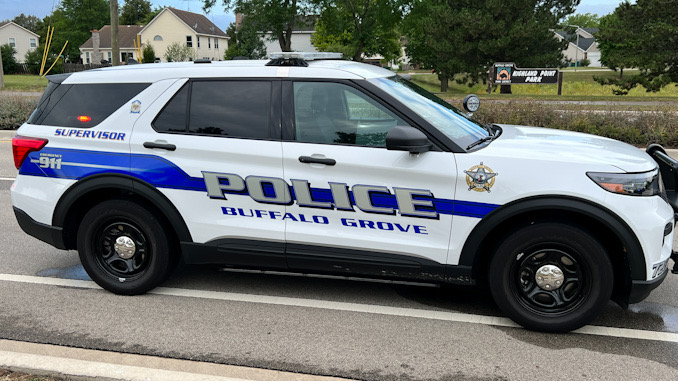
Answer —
(317, 325)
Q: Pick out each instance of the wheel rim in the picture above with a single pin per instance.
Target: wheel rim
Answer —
(550, 280)
(122, 250)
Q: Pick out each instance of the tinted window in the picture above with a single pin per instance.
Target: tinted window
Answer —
(94, 103)
(230, 108)
(173, 117)
(336, 113)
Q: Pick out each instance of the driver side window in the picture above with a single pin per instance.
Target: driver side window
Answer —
(334, 113)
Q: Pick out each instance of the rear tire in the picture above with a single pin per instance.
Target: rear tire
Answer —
(124, 248)
(551, 277)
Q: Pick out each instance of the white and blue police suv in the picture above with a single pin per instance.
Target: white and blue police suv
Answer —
(316, 165)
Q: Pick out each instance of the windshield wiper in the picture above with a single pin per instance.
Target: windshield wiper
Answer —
(481, 141)
(493, 135)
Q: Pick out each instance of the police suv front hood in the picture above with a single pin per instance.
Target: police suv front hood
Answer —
(568, 147)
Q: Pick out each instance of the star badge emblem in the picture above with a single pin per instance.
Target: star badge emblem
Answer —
(480, 178)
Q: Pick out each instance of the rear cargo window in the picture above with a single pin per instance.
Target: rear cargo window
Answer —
(84, 105)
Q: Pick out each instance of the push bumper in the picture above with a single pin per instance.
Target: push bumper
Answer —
(46, 233)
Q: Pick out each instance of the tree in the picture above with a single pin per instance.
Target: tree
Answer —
(276, 16)
(29, 22)
(244, 42)
(614, 42)
(178, 52)
(73, 21)
(584, 20)
(148, 53)
(649, 37)
(468, 36)
(33, 60)
(135, 12)
(8, 61)
(360, 28)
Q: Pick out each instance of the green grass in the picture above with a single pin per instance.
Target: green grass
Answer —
(577, 85)
(24, 82)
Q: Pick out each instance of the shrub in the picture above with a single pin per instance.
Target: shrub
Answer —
(178, 52)
(148, 54)
(34, 60)
(9, 64)
(640, 128)
(15, 110)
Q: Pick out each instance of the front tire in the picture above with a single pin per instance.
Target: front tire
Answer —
(551, 277)
(124, 248)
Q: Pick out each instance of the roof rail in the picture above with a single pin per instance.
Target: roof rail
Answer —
(202, 60)
(300, 58)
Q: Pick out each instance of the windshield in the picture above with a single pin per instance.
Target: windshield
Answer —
(436, 111)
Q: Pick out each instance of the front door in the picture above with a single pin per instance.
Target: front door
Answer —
(360, 208)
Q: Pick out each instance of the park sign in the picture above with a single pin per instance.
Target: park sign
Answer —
(506, 73)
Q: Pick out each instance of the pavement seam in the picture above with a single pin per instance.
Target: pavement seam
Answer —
(351, 307)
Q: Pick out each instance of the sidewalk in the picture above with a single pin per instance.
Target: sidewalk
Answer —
(86, 364)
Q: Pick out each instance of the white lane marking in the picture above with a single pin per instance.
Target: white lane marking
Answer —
(350, 307)
(7, 178)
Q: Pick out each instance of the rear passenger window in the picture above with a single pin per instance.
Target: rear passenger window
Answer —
(86, 105)
(225, 108)
(173, 117)
(230, 108)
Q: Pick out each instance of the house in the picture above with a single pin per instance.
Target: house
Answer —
(98, 47)
(587, 48)
(193, 29)
(171, 25)
(18, 37)
(301, 37)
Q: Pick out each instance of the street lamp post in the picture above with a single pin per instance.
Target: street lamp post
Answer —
(576, 51)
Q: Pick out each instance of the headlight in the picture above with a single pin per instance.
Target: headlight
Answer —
(632, 184)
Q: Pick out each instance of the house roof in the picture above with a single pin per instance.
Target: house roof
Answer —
(591, 31)
(6, 23)
(199, 23)
(127, 34)
(584, 42)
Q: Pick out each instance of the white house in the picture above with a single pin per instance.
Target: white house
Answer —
(193, 29)
(98, 47)
(587, 48)
(171, 25)
(18, 37)
(300, 41)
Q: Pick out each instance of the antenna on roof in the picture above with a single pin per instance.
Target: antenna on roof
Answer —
(188, 5)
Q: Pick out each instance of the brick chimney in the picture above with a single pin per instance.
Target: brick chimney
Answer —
(97, 56)
(238, 20)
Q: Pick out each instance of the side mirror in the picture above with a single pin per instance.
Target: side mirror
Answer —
(406, 138)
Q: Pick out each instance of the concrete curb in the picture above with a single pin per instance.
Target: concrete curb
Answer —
(7, 134)
(85, 364)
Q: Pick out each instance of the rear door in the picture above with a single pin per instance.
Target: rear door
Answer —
(360, 208)
(211, 147)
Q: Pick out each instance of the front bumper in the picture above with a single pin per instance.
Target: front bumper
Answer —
(641, 289)
(46, 233)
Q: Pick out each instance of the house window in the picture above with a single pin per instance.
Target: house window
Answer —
(34, 43)
(198, 40)
(12, 42)
(110, 56)
(157, 38)
(216, 43)
(209, 43)
(189, 41)
(87, 57)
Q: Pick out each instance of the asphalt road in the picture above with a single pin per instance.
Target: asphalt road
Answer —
(353, 329)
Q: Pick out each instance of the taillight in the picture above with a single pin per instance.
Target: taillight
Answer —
(22, 146)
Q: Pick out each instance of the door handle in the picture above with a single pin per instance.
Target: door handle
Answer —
(316, 160)
(169, 147)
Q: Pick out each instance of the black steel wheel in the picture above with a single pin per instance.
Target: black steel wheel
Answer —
(124, 248)
(551, 277)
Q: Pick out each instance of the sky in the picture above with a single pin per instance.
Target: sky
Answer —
(41, 8)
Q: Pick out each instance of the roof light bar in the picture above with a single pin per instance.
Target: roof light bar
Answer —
(306, 56)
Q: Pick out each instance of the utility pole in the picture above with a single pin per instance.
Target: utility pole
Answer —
(2, 74)
(115, 44)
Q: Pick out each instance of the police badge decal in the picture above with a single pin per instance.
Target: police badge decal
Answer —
(480, 178)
